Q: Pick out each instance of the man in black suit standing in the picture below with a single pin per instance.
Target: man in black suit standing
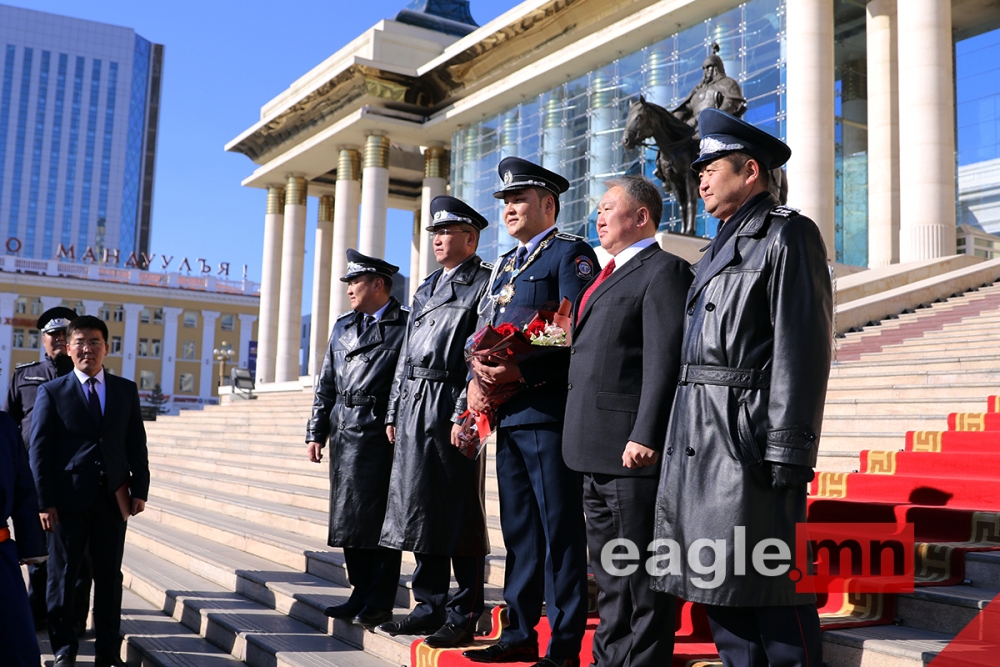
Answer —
(89, 460)
(624, 363)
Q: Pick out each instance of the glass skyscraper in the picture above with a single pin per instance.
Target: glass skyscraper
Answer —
(79, 107)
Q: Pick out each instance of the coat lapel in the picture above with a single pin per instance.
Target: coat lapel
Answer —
(463, 276)
(372, 336)
(615, 278)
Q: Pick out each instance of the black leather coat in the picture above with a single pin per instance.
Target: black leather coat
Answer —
(763, 303)
(349, 407)
(436, 498)
(23, 388)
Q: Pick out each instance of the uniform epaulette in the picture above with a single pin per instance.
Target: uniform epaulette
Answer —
(784, 211)
(568, 237)
(405, 309)
(343, 315)
(486, 265)
(27, 364)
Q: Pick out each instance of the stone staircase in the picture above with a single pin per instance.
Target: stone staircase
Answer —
(229, 563)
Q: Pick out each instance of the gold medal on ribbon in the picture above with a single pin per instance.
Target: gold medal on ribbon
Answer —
(506, 294)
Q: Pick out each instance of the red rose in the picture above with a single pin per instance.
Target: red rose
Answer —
(536, 327)
(506, 329)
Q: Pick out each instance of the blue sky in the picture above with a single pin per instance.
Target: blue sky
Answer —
(222, 61)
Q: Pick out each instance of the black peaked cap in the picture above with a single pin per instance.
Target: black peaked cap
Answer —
(447, 210)
(55, 319)
(360, 265)
(722, 134)
(518, 174)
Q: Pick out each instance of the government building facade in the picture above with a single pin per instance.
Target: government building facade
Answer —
(891, 108)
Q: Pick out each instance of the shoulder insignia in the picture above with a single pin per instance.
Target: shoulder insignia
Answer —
(343, 315)
(584, 267)
(784, 211)
(486, 265)
(27, 364)
(568, 237)
(405, 309)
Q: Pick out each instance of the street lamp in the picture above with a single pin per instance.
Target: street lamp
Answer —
(223, 353)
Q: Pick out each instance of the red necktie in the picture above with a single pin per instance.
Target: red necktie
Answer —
(601, 277)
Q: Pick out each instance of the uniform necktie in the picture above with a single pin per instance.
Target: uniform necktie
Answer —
(601, 277)
(94, 401)
(369, 320)
(519, 258)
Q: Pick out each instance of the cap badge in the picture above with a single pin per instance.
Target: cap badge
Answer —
(713, 145)
(354, 267)
(440, 215)
(508, 177)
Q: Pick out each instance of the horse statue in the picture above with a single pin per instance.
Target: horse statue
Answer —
(677, 147)
(676, 150)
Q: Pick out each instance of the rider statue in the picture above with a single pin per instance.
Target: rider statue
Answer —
(715, 91)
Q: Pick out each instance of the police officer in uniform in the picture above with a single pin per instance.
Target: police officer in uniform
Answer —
(437, 504)
(19, 403)
(349, 409)
(744, 431)
(541, 506)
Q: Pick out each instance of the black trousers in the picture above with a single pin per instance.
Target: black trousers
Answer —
(431, 581)
(374, 576)
(102, 529)
(637, 623)
(38, 576)
(767, 636)
(541, 516)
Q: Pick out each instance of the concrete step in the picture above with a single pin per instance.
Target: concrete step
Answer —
(244, 428)
(982, 568)
(882, 646)
(883, 365)
(858, 377)
(864, 405)
(980, 390)
(248, 631)
(837, 462)
(942, 608)
(838, 443)
(898, 424)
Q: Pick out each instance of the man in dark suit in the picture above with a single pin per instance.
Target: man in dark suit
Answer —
(541, 504)
(89, 460)
(624, 363)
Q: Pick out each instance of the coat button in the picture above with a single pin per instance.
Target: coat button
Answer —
(432, 322)
(710, 306)
(343, 425)
(572, 350)
(405, 393)
(689, 451)
(569, 386)
(691, 310)
(417, 323)
(670, 450)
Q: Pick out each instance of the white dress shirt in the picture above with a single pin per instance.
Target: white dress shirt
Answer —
(631, 251)
(101, 388)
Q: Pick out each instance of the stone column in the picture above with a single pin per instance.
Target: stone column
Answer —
(345, 226)
(435, 185)
(293, 250)
(208, 376)
(810, 102)
(169, 364)
(270, 285)
(131, 339)
(47, 302)
(92, 307)
(246, 334)
(883, 135)
(416, 240)
(926, 130)
(320, 329)
(7, 300)
(374, 196)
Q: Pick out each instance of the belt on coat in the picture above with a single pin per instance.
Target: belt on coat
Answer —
(354, 400)
(4, 534)
(434, 375)
(742, 378)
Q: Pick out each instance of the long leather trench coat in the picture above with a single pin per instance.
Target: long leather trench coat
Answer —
(763, 304)
(349, 408)
(436, 499)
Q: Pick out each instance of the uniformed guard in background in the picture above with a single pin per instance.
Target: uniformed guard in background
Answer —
(437, 495)
(349, 408)
(541, 505)
(19, 403)
(744, 432)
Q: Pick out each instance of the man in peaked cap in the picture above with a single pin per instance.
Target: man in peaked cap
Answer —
(446, 530)
(349, 409)
(19, 404)
(541, 499)
(744, 430)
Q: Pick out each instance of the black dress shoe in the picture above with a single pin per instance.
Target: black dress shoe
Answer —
(369, 618)
(503, 652)
(449, 635)
(347, 610)
(410, 626)
(64, 660)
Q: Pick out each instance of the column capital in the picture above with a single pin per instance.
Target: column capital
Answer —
(377, 151)
(275, 200)
(210, 314)
(172, 311)
(325, 212)
(349, 165)
(132, 309)
(51, 301)
(92, 306)
(296, 191)
(435, 164)
(247, 318)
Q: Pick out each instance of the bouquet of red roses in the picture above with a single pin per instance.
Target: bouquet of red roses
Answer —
(544, 331)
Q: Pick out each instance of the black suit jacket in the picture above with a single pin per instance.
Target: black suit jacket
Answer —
(624, 363)
(66, 443)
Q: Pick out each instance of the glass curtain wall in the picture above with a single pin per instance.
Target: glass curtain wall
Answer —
(576, 128)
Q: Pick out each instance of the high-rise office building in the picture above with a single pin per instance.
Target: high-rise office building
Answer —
(79, 107)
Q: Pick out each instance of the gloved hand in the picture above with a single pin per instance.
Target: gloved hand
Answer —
(788, 476)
